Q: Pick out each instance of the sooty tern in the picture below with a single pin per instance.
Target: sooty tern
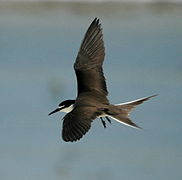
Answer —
(91, 101)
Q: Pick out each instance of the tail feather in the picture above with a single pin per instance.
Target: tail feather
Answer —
(125, 120)
(125, 109)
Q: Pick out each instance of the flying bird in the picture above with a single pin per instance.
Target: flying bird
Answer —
(91, 101)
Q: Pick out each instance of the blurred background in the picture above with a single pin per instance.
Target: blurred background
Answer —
(38, 46)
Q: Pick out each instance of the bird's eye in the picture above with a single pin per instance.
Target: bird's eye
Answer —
(60, 104)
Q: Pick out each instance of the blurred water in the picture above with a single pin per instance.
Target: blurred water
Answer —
(38, 46)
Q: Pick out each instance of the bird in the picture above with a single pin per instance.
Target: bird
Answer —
(91, 101)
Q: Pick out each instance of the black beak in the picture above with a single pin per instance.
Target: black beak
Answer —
(56, 110)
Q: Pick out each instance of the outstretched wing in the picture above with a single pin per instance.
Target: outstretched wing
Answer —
(88, 65)
(78, 122)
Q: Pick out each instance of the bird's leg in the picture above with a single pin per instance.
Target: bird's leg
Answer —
(108, 119)
(103, 122)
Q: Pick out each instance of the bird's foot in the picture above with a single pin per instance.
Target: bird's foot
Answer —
(108, 119)
(103, 122)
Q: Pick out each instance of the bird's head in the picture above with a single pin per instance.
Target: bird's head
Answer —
(65, 106)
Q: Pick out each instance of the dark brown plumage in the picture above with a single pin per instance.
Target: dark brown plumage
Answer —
(91, 84)
(91, 101)
(88, 65)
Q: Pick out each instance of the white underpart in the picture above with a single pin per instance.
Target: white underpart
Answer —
(67, 109)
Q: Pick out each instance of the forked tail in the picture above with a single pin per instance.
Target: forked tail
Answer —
(125, 109)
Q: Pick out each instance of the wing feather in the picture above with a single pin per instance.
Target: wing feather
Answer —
(88, 64)
(76, 125)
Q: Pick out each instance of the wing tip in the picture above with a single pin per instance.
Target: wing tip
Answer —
(71, 138)
(96, 19)
(96, 22)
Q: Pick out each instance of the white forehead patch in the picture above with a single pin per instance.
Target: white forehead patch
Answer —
(66, 109)
(61, 106)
